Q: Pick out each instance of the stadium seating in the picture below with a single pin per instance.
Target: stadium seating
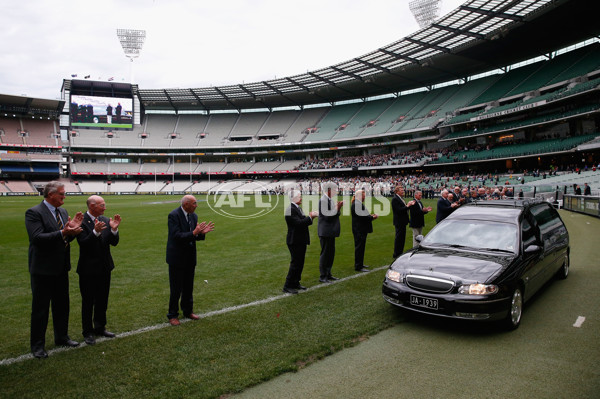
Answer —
(190, 128)
(248, 124)
(93, 186)
(264, 166)
(334, 121)
(40, 132)
(11, 128)
(303, 120)
(506, 83)
(219, 127)
(519, 124)
(590, 61)
(516, 150)
(368, 113)
(20, 186)
(392, 117)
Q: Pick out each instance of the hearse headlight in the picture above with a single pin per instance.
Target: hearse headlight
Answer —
(394, 276)
(478, 289)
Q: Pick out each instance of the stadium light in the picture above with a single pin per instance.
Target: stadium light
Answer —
(425, 11)
(132, 41)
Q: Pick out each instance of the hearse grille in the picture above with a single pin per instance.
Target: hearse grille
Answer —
(429, 284)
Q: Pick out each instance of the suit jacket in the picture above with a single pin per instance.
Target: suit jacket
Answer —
(362, 221)
(417, 214)
(48, 254)
(444, 208)
(400, 211)
(181, 242)
(329, 218)
(297, 225)
(94, 252)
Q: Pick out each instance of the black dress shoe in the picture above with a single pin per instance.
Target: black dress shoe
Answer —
(104, 333)
(290, 290)
(40, 354)
(301, 287)
(68, 342)
(364, 270)
(331, 278)
(323, 280)
(89, 339)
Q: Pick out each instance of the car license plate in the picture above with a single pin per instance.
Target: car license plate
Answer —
(429, 303)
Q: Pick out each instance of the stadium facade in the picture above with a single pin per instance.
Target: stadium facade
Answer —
(494, 86)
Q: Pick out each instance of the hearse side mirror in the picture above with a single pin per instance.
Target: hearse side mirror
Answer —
(532, 249)
(419, 238)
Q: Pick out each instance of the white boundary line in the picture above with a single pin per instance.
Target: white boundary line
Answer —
(9, 361)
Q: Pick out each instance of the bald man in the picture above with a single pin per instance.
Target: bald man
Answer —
(95, 265)
(184, 231)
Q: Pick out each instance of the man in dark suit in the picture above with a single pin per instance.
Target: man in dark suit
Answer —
(444, 207)
(328, 229)
(417, 216)
(297, 239)
(118, 110)
(400, 211)
(50, 231)
(184, 231)
(362, 224)
(95, 266)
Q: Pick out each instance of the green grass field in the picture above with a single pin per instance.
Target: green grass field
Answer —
(242, 261)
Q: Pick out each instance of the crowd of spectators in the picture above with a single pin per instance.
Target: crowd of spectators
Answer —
(429, 184)
(403, 158)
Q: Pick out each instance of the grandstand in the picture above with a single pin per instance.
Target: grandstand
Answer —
(468, 94)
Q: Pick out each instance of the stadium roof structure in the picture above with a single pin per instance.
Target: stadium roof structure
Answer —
(478, 36)
(30, 106)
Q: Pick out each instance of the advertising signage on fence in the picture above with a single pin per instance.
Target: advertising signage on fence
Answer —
(583, 204)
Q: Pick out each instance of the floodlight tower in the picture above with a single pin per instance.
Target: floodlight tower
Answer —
(425, 11)
(132, 41)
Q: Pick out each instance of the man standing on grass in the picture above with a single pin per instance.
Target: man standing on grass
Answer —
(328, 229)
(95, 266)
(50, 231)
(362, 224)
(400, 210)
(184, 231)
(297, 239)
(445, 206)
(417, 216)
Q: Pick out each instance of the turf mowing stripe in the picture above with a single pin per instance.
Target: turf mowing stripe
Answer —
(9, 361)
(579, 321)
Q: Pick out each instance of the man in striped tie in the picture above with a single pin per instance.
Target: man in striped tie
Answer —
(50, 231)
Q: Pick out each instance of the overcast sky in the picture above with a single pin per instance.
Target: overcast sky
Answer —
(190, 43)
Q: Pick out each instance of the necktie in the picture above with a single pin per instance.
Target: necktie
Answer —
(60, 226)
(58, 221)
(190, 222)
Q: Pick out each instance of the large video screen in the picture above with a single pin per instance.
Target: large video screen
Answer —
(101, 112)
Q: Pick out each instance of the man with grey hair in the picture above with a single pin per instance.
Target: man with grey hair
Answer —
(184, 231)
(50, 231)
(297, 239)
(445, 206)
